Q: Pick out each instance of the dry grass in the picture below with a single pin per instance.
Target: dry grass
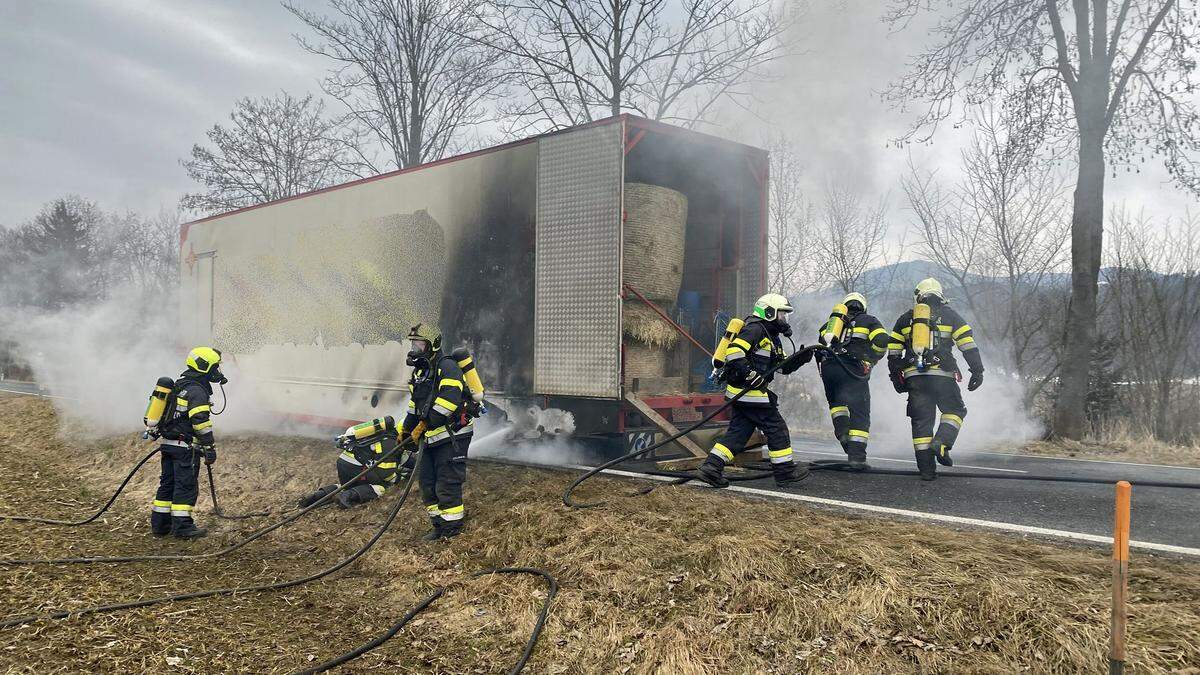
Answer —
(1119, 444)
(679, 581)
(647, 327)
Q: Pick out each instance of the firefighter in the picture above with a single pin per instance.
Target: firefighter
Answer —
(754, 351)
(364, 446)
(854, 342)
(438, 396)
(187, 437)
(921, 362)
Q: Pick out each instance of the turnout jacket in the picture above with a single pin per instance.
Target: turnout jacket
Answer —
(191, 420)
(947, 330)
(756, 348)
(437, 397)
(864, 340)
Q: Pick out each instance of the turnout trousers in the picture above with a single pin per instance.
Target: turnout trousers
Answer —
(178, 488)
(744, 419)
(442, 472)
(927, 395)
(849, 406)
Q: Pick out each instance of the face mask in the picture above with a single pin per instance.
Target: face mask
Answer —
(782, 325)
(419, 354)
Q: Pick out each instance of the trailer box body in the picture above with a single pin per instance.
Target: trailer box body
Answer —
(515, 251)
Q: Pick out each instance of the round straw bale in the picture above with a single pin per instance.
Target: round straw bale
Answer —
(655, 224)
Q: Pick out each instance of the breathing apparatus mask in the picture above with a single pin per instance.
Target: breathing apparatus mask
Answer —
(422, 349)
(781, 324)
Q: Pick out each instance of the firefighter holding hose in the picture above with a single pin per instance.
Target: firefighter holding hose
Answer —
(754, 348)
(921, 362)
(180, 414)
(854, 342)
(446, 395)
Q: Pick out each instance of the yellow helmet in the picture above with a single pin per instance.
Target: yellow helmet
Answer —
(929, 287)
(855, 297)
(203, 359)
(770, 305)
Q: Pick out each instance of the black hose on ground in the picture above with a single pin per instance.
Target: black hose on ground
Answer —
(566, 498)
(551, 591)
(279, 585)
(94, 516)
(324, 501)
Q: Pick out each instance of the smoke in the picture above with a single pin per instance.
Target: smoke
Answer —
(533, 436)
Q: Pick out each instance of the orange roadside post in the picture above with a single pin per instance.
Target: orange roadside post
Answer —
(1120, 571)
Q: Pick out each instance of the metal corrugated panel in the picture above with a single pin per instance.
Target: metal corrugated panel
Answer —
(577, 296)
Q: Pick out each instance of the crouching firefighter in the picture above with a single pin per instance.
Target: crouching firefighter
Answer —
(373, 447)
(921, 362)
(753, 349)
(442, 399)
(180, 414)
(854, 342)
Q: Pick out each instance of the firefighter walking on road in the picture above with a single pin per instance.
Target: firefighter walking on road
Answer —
(754, 349)
(854, 342)
(186, 438)
(921, 362)
(441, 398)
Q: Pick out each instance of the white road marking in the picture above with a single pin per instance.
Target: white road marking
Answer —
(907, 461)
(32, 393)
(1081, 459)
(937, 517)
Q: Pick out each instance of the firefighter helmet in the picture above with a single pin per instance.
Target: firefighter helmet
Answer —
(856, 297)
(423, 347)
(770, 306)
(929, 287)
(203, 359)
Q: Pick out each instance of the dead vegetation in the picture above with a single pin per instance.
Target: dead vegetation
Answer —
(1118, 446)
(680, 580)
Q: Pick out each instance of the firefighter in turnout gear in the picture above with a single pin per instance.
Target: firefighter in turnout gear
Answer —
(854, 342)
(921, 362)
(439, 397)
(186, 438)
(364, 446)
(755, 350)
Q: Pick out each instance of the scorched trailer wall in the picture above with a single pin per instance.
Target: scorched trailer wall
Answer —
(516, 251)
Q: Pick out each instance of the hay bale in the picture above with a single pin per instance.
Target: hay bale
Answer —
(655, 225)
(645, 326)
(642, 360)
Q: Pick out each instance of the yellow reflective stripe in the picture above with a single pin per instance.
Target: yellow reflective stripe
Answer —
(780, 453)
(947, 417)
(199, 409)
(432, 509)
(964, 341)
(859, 433)
(386, 465)
(906, 330)
(435, 432)
(944, 328)
(877, 331)
(445, 404)
(448, 382)
(740, 343)
(839, 410)
(161, 502)
(723, 451)
(734, 391)
(181, 402)
(962, 329)
(202, 426)
(452, 510)
(923, 439)
(377, 447)
(181, 507)
(412, 406)
(861, 330)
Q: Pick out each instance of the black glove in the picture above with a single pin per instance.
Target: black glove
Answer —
(898, 382)
(976, 380)
(753, 379)
(210, 454)
(796, 361)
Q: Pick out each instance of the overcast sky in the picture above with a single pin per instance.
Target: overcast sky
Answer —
(103, 97)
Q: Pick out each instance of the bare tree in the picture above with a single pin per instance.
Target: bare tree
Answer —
(144, 250)
(789, 239)
(1154, 286)
(274, 148)
(408, 71)
(574, 61)
(1116, 85)
(850, 239)
(1000, 234)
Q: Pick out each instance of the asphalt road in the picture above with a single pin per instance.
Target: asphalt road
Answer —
(16, 387)
(1167, 517)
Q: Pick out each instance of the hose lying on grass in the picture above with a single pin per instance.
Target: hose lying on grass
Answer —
(94, 516)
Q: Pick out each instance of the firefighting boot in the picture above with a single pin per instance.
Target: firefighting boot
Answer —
(315, 497)
(160, 524)
(182, 527)
(941, 452)
(359, 494)
(788, 473)
(856, 457)
(436, 532)
(925, 464)
(451, 528)
(711, 472)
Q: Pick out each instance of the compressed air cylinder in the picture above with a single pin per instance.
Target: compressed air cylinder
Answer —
(922, 337)
(731, 331)
(373, 428)
(470, 372)
(158, 402)
(835, 327)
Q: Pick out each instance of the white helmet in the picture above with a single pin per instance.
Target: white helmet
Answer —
(770, 306)
(929, 287)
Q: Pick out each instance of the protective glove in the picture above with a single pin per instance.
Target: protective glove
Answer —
(797, 360)
(210, 454)
(898, 382)
(976, 380)
(753, 379)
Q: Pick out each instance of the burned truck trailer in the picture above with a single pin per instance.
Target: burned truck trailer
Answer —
(553, 259)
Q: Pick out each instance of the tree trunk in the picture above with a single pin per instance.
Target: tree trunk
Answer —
(1087, 234)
